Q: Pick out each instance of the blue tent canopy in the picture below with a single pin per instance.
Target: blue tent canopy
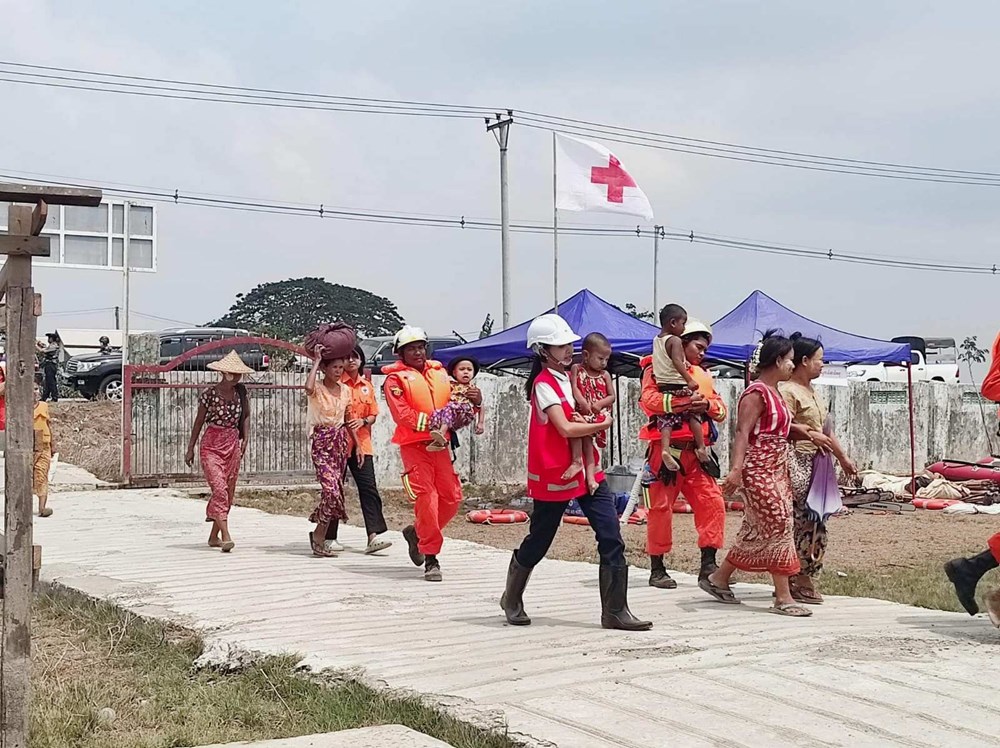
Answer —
(585, 312)
(736, 335)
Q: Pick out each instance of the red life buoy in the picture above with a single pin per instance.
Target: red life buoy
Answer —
(572, 519)
(935, 504)
(682, 507)
(497, 516)
(734, 506)
(639, 517)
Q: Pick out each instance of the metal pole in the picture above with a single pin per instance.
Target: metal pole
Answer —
(501, 130)
(656, 269)
(913, 436)
(555, 230)
(125, 287)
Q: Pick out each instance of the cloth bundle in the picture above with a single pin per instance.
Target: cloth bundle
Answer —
(337, 339)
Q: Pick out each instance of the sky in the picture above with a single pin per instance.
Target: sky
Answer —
(908, 82)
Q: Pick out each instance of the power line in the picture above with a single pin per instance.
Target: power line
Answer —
(252, 205)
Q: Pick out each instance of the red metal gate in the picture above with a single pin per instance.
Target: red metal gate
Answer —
(161, 401)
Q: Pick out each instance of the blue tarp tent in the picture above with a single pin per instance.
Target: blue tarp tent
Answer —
(736, 334)
(585, 312)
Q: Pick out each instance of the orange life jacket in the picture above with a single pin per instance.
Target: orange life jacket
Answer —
(424, 391)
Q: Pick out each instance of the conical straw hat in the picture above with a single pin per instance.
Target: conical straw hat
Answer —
(231, 364)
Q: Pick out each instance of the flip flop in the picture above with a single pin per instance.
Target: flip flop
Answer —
(214, 543)
(318, 550)
(377, 545)
(790, 609)
(719, 593)
(46, 512)
(228, 546)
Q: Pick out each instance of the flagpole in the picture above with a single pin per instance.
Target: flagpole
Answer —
(555, 229)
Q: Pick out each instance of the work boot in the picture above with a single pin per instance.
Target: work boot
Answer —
(432, 569)
(510, 601)
(658, 576)
(410, 536)
(965, 574)
(614, 601)
(708, 563)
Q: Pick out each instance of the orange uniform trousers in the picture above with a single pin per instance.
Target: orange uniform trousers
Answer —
(994, 544)
(434, 488)
(702, 493)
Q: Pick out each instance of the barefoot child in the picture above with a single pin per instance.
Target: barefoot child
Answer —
(670, 370)
(43, 454)
(594, 395)
(459, 412)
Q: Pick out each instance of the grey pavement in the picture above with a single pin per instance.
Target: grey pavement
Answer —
(384, 736)
(858, 673)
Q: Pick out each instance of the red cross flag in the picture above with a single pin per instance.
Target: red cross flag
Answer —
(590, 177)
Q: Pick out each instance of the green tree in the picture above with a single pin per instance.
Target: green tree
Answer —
(639, 313)
(292, 308)
(971, 353)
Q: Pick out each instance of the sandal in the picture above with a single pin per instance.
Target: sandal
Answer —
(46, 512)
(227, 546)
(721, 594)
(790, 609)
(806, 595)
(214, 543)
(318, 550)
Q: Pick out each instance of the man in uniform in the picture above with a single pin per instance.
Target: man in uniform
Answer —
(965, 573)
(414, 388)
(699, 488)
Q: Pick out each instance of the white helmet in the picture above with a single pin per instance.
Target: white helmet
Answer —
(408, 335)
(696, 326)
(550, 329)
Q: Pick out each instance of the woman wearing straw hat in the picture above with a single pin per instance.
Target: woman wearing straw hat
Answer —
(225, 407)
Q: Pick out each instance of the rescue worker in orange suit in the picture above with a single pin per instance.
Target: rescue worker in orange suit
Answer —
(965, 573)
(699, 488)
(414, 388)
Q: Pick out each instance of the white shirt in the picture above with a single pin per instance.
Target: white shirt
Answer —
(546, 397)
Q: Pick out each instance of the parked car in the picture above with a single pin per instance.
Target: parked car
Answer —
(932, 360)
(378, 351)
(100, 375)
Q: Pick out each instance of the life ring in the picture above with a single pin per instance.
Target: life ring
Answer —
(734, 506)
(934, 503)
(497, 516)
(682, 507)
(639, 517)
(574, 519)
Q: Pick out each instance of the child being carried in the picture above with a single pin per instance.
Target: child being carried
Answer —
(459, 412)
(670, 370)
(594, 396)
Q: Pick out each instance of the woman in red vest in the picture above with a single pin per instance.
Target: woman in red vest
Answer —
(553, 423)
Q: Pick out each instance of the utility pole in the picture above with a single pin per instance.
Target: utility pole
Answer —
(501, 130)
(126, 288)
(657, 230)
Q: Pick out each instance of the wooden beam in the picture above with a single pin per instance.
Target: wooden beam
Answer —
(52, 194)
(38, 217)
(15, 655)
(36, 246)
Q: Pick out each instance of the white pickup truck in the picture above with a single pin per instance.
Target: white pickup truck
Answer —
(932, 360)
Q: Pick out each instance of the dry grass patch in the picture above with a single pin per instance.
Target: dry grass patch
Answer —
(103, 678)
(88, 435)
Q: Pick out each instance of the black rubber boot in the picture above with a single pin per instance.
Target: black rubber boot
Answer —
(658, 576)
(432, 569)
(708, 563)
(614, 601)
(511, 600)
(965, 574)
(410, 536)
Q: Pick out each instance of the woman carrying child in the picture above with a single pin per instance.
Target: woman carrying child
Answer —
(329, 400)
(460, 410)
(592, 390)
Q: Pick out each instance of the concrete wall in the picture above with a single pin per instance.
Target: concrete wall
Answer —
(871, 420)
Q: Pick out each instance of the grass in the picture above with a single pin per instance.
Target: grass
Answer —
(91, 657)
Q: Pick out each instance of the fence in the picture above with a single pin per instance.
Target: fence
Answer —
(161, 403)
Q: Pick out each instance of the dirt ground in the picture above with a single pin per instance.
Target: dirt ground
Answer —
(88, 435)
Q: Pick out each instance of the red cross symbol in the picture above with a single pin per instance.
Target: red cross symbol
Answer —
(614, 176)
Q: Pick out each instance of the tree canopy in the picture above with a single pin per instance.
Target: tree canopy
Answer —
(290, 309)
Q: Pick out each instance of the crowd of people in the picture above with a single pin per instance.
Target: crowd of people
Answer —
(783, 437)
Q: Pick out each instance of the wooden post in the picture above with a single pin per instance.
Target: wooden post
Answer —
(15, 659)
(21, 558)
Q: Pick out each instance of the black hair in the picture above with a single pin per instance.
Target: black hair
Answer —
(775, 346)
(695, 335)
(804, 347)
(453, 364)
(595, 339)
(361, 355)
(671, 311)
(536, 369)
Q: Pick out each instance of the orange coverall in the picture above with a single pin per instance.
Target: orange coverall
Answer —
(701, 490)
(429, 477)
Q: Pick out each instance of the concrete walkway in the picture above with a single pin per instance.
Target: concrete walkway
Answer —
(858, 673)
(67, 478)
(385, 736)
